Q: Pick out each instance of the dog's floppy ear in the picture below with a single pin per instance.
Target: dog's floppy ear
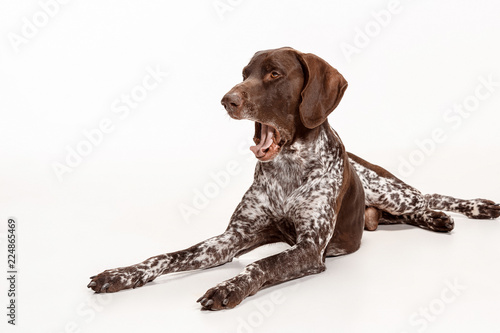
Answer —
(323, 89)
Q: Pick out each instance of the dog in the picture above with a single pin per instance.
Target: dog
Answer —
(308, 191)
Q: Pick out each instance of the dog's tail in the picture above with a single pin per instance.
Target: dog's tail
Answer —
(474, 209)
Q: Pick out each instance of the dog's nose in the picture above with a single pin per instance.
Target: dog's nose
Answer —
(232, 102)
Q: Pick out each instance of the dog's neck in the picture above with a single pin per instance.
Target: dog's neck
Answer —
(314, 146)
(319, 151)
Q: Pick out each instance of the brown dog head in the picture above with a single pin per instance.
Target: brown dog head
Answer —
(287, 93)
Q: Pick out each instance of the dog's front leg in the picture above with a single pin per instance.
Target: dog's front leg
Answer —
(243, 233)
(304, 258)
(314, 226)
(212, 252)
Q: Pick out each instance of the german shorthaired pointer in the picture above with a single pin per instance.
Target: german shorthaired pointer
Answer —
(308, 191)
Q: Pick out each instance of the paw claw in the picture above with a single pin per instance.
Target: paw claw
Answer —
(226, 295)
(113, 280)
(206, 303)
(137, 283)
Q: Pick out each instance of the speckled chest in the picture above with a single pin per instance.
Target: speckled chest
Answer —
(302, 171)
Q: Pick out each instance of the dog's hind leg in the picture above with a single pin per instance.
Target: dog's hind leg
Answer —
(474, 209)
(428, 219)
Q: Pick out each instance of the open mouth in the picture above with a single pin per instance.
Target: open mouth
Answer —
(267, 140)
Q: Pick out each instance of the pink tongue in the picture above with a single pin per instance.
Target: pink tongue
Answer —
(266, 140)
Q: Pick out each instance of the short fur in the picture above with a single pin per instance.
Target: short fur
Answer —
(307, 190)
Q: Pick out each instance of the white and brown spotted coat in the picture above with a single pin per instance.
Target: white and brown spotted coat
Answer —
(307, 190)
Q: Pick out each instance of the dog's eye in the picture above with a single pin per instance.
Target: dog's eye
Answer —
(274, 75)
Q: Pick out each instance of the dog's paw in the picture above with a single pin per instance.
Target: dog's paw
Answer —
(113, 280)
(432, 220)
(439, 221)
(482, 209)
(225, 295)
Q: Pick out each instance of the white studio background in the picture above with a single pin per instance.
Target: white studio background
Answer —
(423, 101)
